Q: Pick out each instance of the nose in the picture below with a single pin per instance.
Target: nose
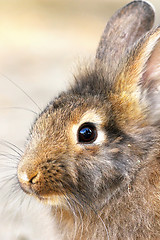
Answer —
(27, 177)
(24, 178)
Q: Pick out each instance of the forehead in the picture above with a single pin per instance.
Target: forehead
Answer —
(55, 130)
(72, 110)
(83, 109)
(60, 125)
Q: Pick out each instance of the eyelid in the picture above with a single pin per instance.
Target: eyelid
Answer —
(94, 118)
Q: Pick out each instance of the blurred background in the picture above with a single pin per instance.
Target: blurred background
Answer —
(41, 43)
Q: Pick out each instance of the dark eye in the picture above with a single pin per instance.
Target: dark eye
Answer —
(87, 133)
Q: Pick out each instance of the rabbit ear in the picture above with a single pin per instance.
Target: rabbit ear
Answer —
(124, 28)
(142, 74)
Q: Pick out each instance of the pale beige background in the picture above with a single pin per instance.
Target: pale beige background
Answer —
(41, 42)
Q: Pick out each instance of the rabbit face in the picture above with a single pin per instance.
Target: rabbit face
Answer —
(76, 150)
(76, 135)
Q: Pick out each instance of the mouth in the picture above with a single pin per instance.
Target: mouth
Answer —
(52, 200)
(26, 188)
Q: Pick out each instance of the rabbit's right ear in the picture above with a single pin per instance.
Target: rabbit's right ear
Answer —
(137, 86)
(124, 28)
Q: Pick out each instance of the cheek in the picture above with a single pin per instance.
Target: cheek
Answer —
(54, 178)
(100, 169)
(89, 152)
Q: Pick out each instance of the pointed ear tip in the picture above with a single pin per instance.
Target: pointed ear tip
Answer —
(144, 9)
(145, 4)
(139, 15)
(149, 4)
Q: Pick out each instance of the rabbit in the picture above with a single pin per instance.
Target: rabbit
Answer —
(92, 154)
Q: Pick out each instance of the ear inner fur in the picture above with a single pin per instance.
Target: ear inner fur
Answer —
(137, 85)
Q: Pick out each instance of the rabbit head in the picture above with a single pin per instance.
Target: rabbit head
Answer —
(90, 143)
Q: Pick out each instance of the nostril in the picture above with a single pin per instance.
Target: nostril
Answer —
(34, 178)
(28, 178)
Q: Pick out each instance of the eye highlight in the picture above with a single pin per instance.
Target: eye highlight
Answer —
(87, 133)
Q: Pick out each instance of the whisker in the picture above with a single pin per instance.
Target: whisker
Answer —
(6, 180)
(11, 147)
(13, 193)
(15, 187)
(18, 108)
(9, 143)
(8, 165)
(14, 197)
(92, 208)
(70, 206)
(9, 196)
(29, 202)
(7, 168)
(22, 200)
(82, 225)
(74, 206)
(9, 156)
(16, 85)
(81, 219)
(61, 216)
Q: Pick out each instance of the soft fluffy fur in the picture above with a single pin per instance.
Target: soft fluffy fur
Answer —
(108, 189)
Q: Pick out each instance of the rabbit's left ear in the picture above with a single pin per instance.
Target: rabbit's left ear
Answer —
(142, 74)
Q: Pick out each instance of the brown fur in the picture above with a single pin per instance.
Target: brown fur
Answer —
(109, 188)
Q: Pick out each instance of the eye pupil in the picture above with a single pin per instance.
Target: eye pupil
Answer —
(87, 133)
